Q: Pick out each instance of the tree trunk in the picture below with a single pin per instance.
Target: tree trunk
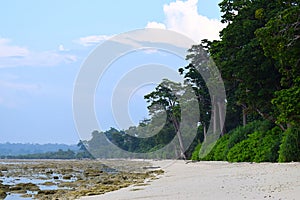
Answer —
(221, 117)
(175, 151)
(204, 132)
(182, 152)
(270, 118)
(214, 115)
(178, 132)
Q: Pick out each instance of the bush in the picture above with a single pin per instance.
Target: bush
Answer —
(290, 146)
(269, 146)
(195, 154)
(259, 147)
(234, 137)
(241, 133)
(218, 151)
(254, 142)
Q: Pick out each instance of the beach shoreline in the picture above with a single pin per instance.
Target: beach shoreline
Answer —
(214, 180)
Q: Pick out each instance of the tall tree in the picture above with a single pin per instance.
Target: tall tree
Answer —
(201, 74)
(197, 58)
(164, 99)
(280, 39)
(251, 77)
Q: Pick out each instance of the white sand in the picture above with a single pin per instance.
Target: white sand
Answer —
(216, 180)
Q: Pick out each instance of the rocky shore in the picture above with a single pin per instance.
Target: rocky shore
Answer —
(69, 179)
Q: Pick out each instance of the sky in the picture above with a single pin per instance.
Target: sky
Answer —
(43, 45)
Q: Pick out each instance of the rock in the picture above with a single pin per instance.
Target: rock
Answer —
(27, 186)
(67, 177)
(47, 192)
(2, 194)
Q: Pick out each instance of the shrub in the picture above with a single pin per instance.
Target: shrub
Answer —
(240, 133)
(218, 151)
(258, 147)
(290, 146)
(195, 154)
(254, 142)
(241, 152)
(268, 148)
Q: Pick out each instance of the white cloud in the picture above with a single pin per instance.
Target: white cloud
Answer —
(180, 16)
(92, 39)
(18, 86)
(150, 51)
(8, 50)
(62, 48)
(156, 25)
(37, 59)
(13, 56)
(183, 17)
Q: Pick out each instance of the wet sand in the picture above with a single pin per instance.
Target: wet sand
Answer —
(215, 180)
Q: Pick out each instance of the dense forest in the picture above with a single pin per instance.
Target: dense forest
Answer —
(258, 58)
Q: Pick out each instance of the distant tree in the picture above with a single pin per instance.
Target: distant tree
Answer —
(164, 99)
(83, 151)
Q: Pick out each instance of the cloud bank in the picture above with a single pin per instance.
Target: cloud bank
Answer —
(15, 56)
(92, 40)
(180, 16)
(183, 17)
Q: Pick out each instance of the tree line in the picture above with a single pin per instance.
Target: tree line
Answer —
(258, 58)
(80, 153)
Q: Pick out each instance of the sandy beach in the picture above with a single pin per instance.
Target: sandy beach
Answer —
(215, 180)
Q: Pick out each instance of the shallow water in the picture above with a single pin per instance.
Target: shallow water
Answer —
(38, 179)
(39, 182)
(50, 179)
(16, 197)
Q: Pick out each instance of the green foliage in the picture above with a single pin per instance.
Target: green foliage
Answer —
(269, 146)
(241, 133)
(242, 152)
(250, 76)
(288, 104)
(83, 151)
(290, 147)
(258, 58)
(254, 142)
(258, 147)
(281, 42)
(199, 62)
(196, 142)
(219, 151)
(195, 154)
(60, 154)
(15, 149)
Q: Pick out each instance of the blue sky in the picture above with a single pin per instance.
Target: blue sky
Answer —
(43, 44)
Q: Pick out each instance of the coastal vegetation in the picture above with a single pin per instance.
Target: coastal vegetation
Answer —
(258, 58)
(14, 149)
(78, 151)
